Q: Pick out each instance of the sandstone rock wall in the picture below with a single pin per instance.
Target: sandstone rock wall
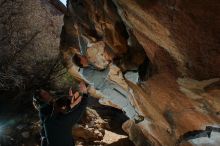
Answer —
(180, 94)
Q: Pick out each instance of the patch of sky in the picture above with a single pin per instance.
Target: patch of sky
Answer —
(64, 2)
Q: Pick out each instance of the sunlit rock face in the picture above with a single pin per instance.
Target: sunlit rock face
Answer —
(174, 47)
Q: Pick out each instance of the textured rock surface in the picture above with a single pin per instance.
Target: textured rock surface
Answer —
(180, 39)
(29, 45)
(29, 42)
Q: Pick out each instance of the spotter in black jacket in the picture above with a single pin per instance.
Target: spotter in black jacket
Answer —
(57, 128)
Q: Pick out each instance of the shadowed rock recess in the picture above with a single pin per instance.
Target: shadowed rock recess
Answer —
(165, 54)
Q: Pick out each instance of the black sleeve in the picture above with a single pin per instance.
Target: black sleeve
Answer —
(45, 112)
(76, 113)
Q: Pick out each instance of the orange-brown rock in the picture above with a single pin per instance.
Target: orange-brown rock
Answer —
(180, 39)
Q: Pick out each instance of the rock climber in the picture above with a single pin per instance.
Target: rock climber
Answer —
(111, 91)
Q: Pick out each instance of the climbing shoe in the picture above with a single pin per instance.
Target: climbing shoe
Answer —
(138, 119)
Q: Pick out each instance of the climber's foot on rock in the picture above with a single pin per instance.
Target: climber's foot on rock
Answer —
(138, 119)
